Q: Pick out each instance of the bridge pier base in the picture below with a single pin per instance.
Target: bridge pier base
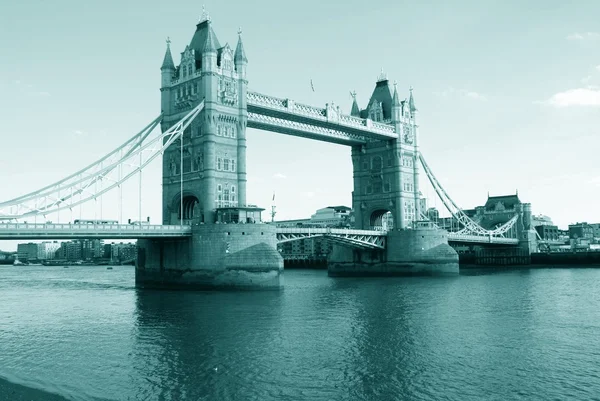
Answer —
(217, 256)
(417, 252)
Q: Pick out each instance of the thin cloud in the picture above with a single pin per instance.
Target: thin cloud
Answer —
(309, 194)
(79, 132)
(469, 94)
(29, 89)
(598, 67)
(589, 96)
(584, 36)
(279, 175)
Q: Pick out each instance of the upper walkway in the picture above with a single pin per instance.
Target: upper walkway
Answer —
(324, 124)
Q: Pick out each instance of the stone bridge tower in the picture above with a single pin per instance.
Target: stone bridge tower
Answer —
(214, 145)
(386, 173)
(212, 171)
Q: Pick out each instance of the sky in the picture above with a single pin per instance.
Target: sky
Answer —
(508, 93)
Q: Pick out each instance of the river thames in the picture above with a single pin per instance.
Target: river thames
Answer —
(86, 333)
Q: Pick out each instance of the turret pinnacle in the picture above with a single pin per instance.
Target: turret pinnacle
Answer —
(240, 54)
(209, 44)
(355, 109)
(168, 60)
(411, 101)
(395, 99)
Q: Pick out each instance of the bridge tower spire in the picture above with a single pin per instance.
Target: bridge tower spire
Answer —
(241, 62)
(167, 70)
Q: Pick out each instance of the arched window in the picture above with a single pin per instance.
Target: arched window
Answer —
(219, 163)
(226, 164)
(233, 189)
(232, 165)
(376, 163)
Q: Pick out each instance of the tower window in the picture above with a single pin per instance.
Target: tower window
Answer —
(226, 164)
(219, 163)
(232, 165)
(219, 188)
(233, 189)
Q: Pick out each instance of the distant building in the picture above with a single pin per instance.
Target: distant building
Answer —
(27, 252)
(47, 250)
(541, 220)
(70, 251)
(581, 231)
(596, 229)
(315, 248)
(123, 252)
(548, 232)
(92, 249)
(332, 216)
(432, 214)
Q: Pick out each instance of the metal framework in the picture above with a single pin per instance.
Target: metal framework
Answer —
(264, 112)
(470, 227)
(105, 174)
(368, 239)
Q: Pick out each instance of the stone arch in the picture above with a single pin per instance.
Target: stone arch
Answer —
(381, 218)
(191, 207)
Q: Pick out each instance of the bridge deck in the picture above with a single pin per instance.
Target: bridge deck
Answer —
(18, 231)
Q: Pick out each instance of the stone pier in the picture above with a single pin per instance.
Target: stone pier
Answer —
(217, 256)
(423, 251)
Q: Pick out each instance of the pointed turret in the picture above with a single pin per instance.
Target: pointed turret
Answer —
(411, 101)
(209, 43)
(355, 112)
(395, 99)
(396, 105)
(168, 63)
(240, 54)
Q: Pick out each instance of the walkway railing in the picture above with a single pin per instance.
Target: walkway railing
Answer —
(105, 231)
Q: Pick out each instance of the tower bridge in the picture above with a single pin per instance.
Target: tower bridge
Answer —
(210, 235)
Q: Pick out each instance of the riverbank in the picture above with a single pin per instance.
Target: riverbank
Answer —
(16, 392)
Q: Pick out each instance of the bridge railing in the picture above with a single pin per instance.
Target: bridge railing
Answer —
(336, 231)
(87, 227)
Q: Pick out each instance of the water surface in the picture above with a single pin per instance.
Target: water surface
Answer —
(86, 333)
